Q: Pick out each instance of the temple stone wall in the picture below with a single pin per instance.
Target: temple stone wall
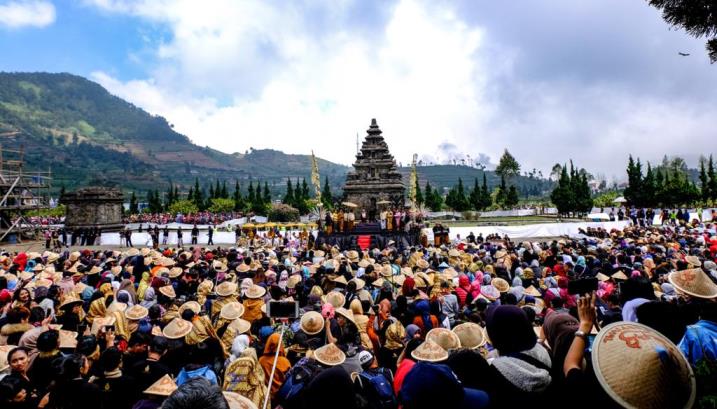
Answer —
(94, 207)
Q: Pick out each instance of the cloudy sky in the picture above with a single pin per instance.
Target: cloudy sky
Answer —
(549, 80)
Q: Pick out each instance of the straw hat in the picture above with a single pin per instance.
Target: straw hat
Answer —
(237, 401)
(532, 291)
(470, 334)
(489, 292)
(500, 284)
(68, 339)
(422, 264)
(312, 323)
(340, 279)
(348, 314)
(693, 282)
(132, 252)
(177, 328)
(226, 288)
(175, 272)
(602, 277)
(640, 368)
(255, 291)
(70, 301)
(52, 257)
(232, 311)
(242, 268)
(43, 283)
(619, 276)
(163, 387)
(38, 267)
(429, 351)
(136, 312)
(386, 270)
(693, 261)
(352, 256)
(330, 355)
(168, 291)
(293, 280)
(335, 298)
(4, 351)
(116, 306)
(360, 284)
(378, 283)
(444, 337)
(190, 305)
(240, 326)
(74, 256)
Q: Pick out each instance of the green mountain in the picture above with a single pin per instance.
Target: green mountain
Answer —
(85, 135)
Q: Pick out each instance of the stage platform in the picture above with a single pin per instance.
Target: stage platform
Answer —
(368, 235)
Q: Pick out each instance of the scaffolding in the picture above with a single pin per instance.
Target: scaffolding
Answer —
(21, 191)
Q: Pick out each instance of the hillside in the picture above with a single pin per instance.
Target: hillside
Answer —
(86, 135)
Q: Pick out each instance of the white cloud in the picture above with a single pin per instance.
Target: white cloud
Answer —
(30, 13)
(235, 75)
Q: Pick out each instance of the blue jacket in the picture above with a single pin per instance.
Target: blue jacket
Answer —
(700, 341)
(203, 372)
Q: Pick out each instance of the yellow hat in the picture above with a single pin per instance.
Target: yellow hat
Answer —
(163, 387)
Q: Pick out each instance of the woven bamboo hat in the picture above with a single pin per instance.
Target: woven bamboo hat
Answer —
(237, 401)
(175, 272)
(136, 312)
(312, 323)
(232, 311)
(619, 276)
(226, 288)
(422, 264)
(602, 277)
(348, 314)
(500, 284)
(429, 351)
(240, 326)
(163, 387)
(243, 268)
(360, 284)
(444, 337)
(533, 292)
(693, 282)
(68, 339)
(100, 322)
(255, 291)
(489, 292)
(293, 280)
(640, 368)
(341, 280)
(70, 302)
(168, 291)
(470, 334)
(177, 328)
(335, 298)
(330, 355)
(190, 305)
(693, 261)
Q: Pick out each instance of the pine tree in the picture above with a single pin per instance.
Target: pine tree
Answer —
(326, 197)
(427, 194)
(238, 199)
(250, 194)
(190, 194)
(305, 190)
(511, 198)
(198, 195)
(133, 205)
(62, 193)
(461, 199)
(267, 194)
(649, 197)
(712, 179)
(486, 199)
(289, 196)
(212, 192)
(217, 190)
(562, 195)
(659, 187)
(419, 194)
(474, 197)
(634, 182)
(502, 193)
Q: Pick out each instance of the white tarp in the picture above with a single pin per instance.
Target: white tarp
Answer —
(509, 213)
(532, 230)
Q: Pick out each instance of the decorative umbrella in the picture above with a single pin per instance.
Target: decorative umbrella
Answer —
(349, 204)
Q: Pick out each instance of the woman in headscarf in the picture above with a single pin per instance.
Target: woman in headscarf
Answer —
(149, 298)
(98, 307)
(391, 349)
(361, 323)
(463, 291)
(559, 330)
(128, 286)
(520, 375)
(424, 319)
(267, 362)
(243, 373)
(144, 284)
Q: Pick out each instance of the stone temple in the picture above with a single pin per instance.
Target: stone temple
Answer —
(94, 207)
(375, 177)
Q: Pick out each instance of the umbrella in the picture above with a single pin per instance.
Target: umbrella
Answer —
(349, 204)
(620, 199)
(381, 202)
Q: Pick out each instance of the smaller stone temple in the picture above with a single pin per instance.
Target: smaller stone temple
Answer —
(94, 207)
(375, 177)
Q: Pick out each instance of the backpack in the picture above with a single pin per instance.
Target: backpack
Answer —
(376, 386)
(297, 379)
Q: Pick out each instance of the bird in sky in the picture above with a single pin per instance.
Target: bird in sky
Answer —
(683, 54)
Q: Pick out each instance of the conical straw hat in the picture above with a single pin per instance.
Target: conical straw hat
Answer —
(470, 334)
(68, 339)
(237, 401)
(232, 311)
(500, 284)
(335, 298)
(312, 323)
(429, 351)
(255, 291)
(330, 355)
(163, 387)
(444, 337)
(693, 282)
(240, 326)
(640, 368)
(348, 314)
(226, 289)
(177, 328)
(136, 312)
(168, 291)
(190, 305)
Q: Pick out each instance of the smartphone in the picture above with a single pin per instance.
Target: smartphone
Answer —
(583, 286)
(109, 328)
(282, 309)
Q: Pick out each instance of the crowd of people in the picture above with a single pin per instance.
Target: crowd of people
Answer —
(205, 217)
(626, 319)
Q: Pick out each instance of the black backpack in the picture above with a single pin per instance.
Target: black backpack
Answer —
(376, 387)
(297, 379)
